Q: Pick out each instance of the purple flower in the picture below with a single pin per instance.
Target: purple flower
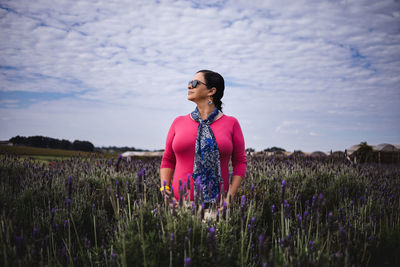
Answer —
(211, 239)
(69, 186)
(330, 217)
(260, 240)
(211, 231)
(35, 233)
(188, 181)
(243, 201)
(273, 208)
(299, 219)
(283, 190)
(342, 233)
(311, 245)
(188, 262)
(286, 204)
(171, 241)
(114, 256)
(193, 208)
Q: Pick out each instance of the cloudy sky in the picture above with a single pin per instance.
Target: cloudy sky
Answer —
(301, 75)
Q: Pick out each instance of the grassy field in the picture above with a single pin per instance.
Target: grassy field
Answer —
(49, 154)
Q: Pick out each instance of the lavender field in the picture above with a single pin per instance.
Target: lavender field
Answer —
(89, 211)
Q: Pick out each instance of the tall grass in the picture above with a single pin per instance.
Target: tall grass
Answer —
(289, 211)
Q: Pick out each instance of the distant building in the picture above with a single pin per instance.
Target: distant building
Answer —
(382, 153)
(129, 154)
(318, 154)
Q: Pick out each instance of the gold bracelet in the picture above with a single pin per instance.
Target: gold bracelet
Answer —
(164, 188)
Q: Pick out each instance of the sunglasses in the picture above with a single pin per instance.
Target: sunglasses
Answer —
(194, 83)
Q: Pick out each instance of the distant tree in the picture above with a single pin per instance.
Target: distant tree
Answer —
(274, 149)
(83, 146)
(364, 153)
(18, 140)
(65, 144)
(250, 149)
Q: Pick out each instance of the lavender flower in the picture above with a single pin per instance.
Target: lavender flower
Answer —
(261, 244)
(211, 240)
(188, 262)
(286, 204)
(243, 201)
(330, 217)
(171, 242)
(188, 182)
(193, 208)
(299, 219)
(69, 186)
(35, 233)
(311, 246)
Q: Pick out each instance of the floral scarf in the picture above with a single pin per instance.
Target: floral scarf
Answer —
(207, 159)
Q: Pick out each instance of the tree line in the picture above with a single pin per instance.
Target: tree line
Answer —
(48, 142)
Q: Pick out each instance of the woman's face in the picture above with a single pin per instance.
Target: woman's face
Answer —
(201, 92)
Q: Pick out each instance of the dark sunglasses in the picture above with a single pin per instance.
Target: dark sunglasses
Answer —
(194, 83)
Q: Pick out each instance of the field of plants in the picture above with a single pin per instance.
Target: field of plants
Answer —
(93, 211)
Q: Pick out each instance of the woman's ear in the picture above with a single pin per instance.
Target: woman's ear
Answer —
(212, 91)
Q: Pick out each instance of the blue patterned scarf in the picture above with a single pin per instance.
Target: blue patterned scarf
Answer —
(207, 160)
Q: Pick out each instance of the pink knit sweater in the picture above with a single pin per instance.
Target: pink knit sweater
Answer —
(180, 149)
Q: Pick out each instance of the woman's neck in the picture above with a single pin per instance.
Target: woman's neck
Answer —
(205, 110)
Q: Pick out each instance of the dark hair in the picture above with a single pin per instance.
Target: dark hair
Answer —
(214, 79)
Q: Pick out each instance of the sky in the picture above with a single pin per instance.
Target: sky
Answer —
(301, 75)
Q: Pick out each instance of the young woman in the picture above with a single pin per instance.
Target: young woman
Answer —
(200, 145)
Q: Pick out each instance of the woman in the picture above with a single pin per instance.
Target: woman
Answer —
(200, 145)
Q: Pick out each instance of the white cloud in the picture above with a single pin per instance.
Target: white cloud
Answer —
(325, 64)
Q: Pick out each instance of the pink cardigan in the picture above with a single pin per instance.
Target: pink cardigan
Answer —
(180, 149)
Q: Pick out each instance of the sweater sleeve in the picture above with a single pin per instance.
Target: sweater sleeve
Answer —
(239, 161)
(169, 160)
